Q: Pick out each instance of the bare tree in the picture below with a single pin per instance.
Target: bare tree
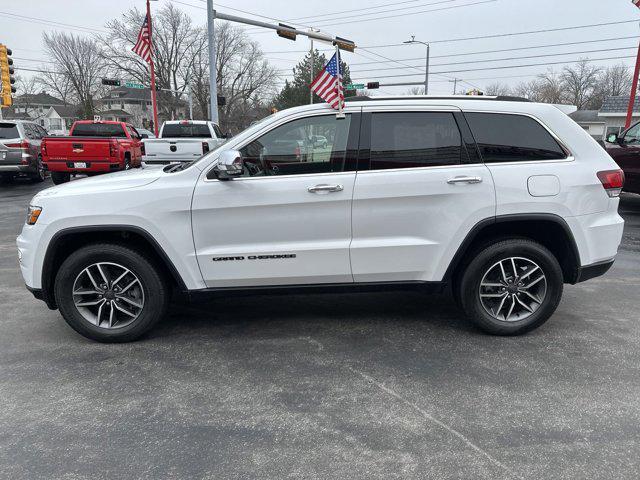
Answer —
(497, 88)
(77, 61)
(530, 90)
(26, 88)
(415, 91)
(612, 82)
(579, 83)
(174, 39)
(550, 88)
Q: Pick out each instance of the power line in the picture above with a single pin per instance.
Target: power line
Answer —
(509, 67)
(482, 52)
(511, 59)
(44, 21)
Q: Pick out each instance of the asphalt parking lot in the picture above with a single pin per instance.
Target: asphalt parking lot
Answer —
(369, 386)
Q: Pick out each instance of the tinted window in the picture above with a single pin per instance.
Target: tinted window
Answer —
(414, 139)
(512, 138)
(217, 131)
(98, 130)
(178, 130)
(632, 136)
(291, 148)
(9, 130)
(43, 132)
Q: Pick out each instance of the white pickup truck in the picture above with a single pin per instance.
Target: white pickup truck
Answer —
(182, 141)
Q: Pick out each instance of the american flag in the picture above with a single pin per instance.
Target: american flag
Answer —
(326, 86)
(143, 45)
(636, 3)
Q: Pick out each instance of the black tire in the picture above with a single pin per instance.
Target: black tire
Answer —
(127, 162)
(484, 259)
(60, 177)
(154, 285)
(6, 178)
(40, 174)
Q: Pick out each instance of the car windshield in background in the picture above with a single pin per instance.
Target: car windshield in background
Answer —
(9, 130)
(179, 130)
(98, 130)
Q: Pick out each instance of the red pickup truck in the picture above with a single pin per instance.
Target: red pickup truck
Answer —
(92, 147)
(625, 150)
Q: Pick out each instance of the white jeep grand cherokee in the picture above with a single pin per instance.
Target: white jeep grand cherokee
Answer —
(502, 200)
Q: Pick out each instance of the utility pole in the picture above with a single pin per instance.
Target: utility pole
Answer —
(213, 81)
(455, 84)
(154, 101)
(311, 71)
(428, 55)
(190, 97)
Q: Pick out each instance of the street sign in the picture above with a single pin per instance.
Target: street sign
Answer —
(354, 86)
(133, 85)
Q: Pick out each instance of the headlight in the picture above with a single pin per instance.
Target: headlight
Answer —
(32, 214)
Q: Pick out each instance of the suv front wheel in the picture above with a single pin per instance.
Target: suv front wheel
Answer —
(511, 287)
(110, 293)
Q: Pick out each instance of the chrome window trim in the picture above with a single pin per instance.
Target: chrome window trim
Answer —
(273, 126)
(568, 152)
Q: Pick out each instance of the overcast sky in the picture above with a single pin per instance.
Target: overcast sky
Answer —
(429, 20)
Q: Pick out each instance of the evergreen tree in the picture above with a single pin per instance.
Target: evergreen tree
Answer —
(296, 92)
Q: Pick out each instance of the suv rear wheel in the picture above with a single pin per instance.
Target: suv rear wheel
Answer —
(40, 174)
(110, 293)
(511, 287)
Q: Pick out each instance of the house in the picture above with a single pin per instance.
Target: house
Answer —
(36, 105)
(59, 119)
(591, 122)
(614, 114)
(125, 104)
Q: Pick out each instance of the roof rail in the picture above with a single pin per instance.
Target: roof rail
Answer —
(499, 98)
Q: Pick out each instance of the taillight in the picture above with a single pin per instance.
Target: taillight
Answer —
(142, 150)
(205, 147)
(23, 145)
(113, 148)
(43, 147)
(612, 181)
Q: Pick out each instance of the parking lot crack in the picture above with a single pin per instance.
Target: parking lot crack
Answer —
(426, 415)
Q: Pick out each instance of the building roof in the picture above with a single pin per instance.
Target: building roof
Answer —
(10, 114)
(124, 93)
(42, 98)
(115, 113)
(586, 116)
(618, 105)
(67, 111)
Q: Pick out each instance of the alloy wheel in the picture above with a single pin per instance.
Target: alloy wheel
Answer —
(513, 289)
(108, 295)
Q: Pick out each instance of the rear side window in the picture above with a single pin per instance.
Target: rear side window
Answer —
(98, 130)
(190, 130)
(9, 130)
(414, 139)
(512, 138)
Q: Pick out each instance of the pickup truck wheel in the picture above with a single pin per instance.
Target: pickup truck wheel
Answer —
(511, 287)
(110, 293)
(60, 177)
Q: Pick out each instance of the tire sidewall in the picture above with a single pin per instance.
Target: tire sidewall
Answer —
(477, 268)
(155, 292)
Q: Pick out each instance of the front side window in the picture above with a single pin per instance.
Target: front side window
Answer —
(512, 138)
(632, 137)
(414, 139)
(308, 145)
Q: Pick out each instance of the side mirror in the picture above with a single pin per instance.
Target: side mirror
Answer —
(229, 165)
(613, 138)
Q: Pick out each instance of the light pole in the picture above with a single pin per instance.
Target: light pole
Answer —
(426, 73)
(213, 83)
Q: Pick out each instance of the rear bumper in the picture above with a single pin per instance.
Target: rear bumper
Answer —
(93, 166)
(17, 168)
(594, 270)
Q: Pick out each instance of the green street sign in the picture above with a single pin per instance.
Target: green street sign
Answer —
(354, 86)
(133, 85)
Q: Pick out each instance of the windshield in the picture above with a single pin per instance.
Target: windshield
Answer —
(191, 130)
(8, 130)
(98, 130)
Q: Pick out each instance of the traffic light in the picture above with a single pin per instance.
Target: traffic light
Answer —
(6, 72)
(111, 81)
(285, 33)
(373, 85)
(222, 101)
(344, 44)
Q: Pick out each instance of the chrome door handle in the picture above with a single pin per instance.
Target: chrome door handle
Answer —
(453, 181)
(323, 188)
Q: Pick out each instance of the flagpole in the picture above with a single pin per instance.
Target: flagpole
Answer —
(153, 73)
(340, 114)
